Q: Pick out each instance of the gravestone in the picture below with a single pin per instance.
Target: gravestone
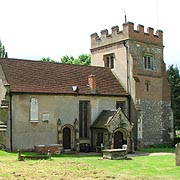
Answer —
(177, 154)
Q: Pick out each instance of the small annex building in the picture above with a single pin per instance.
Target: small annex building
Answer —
(123, 98)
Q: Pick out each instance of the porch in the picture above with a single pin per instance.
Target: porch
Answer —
(112, 129)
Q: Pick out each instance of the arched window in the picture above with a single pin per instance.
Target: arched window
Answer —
(34, 109)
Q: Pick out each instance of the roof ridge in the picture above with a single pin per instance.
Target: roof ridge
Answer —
(53, 77)
(56, 62)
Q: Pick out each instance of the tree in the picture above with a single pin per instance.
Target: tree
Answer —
(48, 59)
(174, 80)
(82, 59)
(3, 53)
(68, 60)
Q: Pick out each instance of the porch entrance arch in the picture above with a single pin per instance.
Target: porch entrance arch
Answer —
(118, 140)
(67, 138)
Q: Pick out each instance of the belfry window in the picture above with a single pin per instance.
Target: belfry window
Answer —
(109, 61)
(148, 61)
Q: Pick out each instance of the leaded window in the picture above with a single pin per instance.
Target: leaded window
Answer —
(148, 61)
(84, 119)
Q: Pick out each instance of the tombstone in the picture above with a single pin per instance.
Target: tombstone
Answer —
(177, 150)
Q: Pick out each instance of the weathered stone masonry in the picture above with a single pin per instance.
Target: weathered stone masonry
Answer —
(156, 120)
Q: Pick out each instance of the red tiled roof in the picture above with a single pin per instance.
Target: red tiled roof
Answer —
(47, 77)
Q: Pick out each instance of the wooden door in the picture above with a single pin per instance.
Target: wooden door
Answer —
(67, 138)
(118, 140)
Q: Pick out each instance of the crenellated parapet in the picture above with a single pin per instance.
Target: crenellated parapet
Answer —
(128, 32)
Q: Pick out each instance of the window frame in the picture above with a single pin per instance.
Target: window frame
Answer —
(148, 60)
(109, 60)
(84, 119)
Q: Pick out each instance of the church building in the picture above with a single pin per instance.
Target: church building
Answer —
(122, 98)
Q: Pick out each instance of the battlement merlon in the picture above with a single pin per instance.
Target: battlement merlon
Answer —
(128, 32)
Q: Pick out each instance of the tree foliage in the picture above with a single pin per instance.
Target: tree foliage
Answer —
(82, 59)
(48, 59)
(174, 80)
(3, 53)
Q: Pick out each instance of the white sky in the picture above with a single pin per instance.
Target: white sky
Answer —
(32, 29)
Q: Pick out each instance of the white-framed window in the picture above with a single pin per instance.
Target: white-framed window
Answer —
(148, 61)
(34, 109)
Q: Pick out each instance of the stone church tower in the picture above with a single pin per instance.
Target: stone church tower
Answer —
(136, 59)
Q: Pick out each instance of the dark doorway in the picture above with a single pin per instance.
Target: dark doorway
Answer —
(118, 140)
(67, 138)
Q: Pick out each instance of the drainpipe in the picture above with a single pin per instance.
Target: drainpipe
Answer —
(128, 78)
(129, 92)
(11, 148)
(129, 104)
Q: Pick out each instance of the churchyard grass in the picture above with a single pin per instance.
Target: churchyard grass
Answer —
(154, 150)
(88, 167)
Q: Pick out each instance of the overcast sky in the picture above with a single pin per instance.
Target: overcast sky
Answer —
(32, 29)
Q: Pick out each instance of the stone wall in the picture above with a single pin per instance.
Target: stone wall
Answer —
(155, 103)
(157, 127)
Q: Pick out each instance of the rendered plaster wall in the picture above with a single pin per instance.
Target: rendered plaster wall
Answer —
(27, 133)
(120, 61)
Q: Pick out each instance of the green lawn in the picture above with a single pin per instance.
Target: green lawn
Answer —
(88, 167)
(153, 150)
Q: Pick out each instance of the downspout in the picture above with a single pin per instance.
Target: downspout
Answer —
(128, 78)
(11, 148)
(129, 92)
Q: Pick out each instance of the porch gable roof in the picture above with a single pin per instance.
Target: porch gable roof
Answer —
(111, 120)
(104, 117)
